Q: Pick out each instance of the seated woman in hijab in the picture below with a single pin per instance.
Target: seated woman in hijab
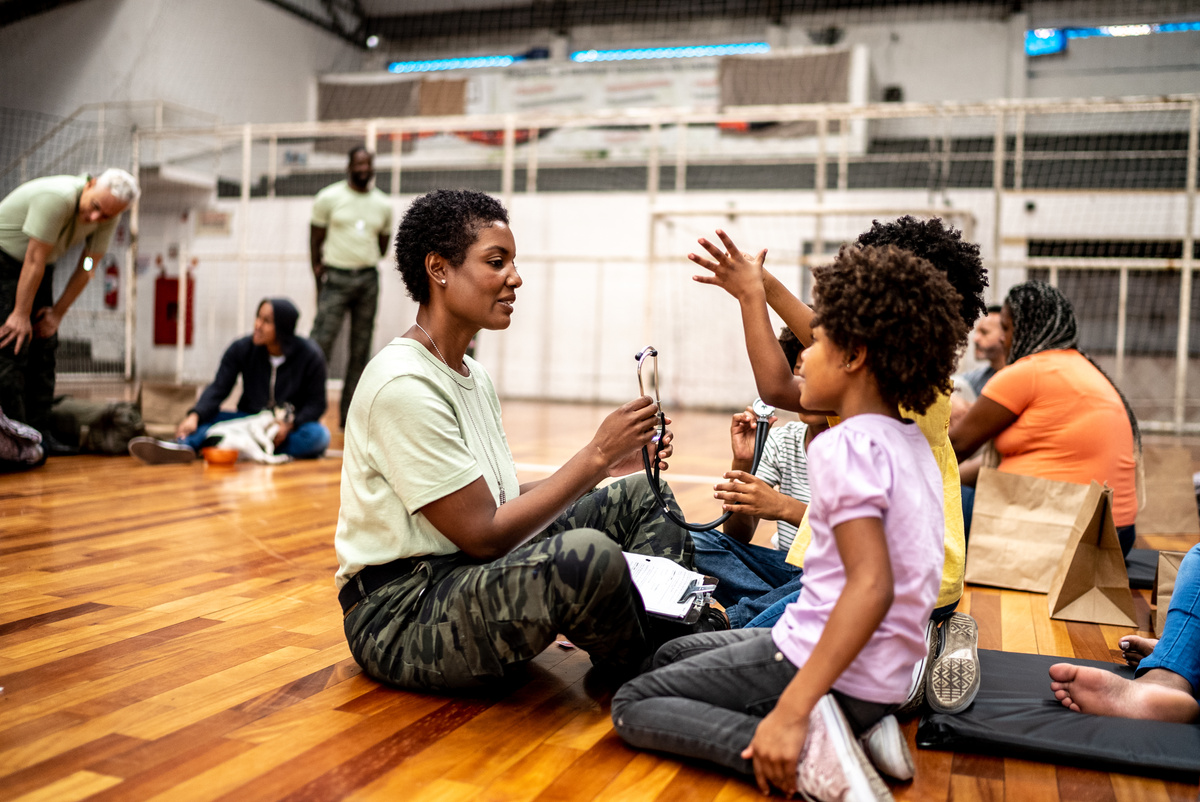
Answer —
(279, 371)
(1052, 412)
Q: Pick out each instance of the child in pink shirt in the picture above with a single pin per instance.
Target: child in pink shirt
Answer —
(785, 705)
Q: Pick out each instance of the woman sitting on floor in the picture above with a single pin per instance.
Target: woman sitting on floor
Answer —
(278, 370)
(1052, 412)
(451, 573)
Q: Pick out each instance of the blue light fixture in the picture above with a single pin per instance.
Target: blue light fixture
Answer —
(439, 64)
(1044, 41)
(648, 53)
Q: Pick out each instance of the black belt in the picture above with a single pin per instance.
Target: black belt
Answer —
(354, 271)
(372, 578)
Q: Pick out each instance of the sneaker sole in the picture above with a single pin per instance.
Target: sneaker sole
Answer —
(954, 680)
(154, 452)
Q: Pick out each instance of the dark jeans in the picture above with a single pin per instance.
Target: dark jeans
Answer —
(751, 577)
(342, 292)
(27, 378)
(707, 694)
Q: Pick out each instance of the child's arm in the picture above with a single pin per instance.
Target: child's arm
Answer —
(741, 524)
(864, 602)
(796, 314)
(741, 276)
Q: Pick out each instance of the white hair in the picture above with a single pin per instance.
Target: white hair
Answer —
(120, 184)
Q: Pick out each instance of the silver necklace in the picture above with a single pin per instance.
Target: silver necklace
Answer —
(487, 446)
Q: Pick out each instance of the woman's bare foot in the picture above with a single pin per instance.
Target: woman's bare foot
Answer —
(1085, 689)
(1135, 647)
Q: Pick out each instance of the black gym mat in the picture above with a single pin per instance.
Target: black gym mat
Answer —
(1016, 715)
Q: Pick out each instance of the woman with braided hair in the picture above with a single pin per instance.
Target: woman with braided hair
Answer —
(1052, 411)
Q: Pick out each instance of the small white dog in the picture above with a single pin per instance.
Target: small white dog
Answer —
(252, 436)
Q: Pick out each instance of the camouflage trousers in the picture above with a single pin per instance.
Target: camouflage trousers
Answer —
(342, 292)
(458, 623)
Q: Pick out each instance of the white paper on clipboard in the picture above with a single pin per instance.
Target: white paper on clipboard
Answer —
(667, 588)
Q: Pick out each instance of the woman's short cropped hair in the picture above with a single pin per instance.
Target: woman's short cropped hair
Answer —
(446, 222)
(946, 249)
(903, 310)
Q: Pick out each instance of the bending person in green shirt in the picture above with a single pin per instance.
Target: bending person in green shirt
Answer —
(40, 221)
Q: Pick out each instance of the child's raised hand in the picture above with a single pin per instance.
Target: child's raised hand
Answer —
(741, 434)
(738, 273)
(775, 750)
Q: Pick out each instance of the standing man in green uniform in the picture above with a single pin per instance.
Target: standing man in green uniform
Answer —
(40, 221)
(351, 224)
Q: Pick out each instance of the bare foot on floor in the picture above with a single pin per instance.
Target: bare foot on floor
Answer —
(1085, 689)
(1135, 647)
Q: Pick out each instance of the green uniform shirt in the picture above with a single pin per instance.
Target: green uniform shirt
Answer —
(417, 432)
(48, 209)
(353, 222)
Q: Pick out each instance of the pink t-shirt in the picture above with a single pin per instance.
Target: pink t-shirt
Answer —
(871, 466)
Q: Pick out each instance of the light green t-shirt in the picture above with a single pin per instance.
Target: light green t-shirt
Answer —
(413, 436)
(353, 222)
(48, 209)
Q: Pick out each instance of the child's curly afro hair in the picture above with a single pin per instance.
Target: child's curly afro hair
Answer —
(946, 249)
(446, 222)
(903, 310)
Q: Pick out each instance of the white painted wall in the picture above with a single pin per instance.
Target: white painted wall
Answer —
(589, 303)
(244, 60)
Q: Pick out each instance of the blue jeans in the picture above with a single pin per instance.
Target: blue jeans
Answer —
(1178, 649)
(306, 441)
(707, 694)
(750, 576)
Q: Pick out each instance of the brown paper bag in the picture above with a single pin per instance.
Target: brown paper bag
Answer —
(1170, 496)
(1164, 586)
(1019, 529)
(1090, 583)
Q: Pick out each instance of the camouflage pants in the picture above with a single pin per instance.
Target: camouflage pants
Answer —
(457, 623)
(27, 378)
(347, 291)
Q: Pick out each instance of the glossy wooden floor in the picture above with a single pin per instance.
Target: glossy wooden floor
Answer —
(172, 633)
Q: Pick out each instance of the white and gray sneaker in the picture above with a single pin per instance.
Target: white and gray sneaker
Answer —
(885, 745)
(159, 452)
(954, 680)
(920, 675)
(832, 766)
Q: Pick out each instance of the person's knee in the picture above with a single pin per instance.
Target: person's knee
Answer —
(588, 560)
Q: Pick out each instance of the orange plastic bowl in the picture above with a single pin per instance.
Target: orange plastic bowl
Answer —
(214, 455)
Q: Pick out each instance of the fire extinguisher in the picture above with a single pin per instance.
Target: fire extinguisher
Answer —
(112, 285)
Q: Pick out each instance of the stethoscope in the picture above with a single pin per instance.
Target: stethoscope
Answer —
(761, 410)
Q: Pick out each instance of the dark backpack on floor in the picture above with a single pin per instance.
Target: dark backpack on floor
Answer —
(97, 427)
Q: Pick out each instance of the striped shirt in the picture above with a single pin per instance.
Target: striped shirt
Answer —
(784, 466)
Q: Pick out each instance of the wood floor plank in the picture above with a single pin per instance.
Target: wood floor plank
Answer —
(80, 785)
(1025, 781)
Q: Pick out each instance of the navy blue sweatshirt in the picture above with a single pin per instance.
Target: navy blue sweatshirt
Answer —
(299, 381)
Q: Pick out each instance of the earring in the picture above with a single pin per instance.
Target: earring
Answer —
(443, 281)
